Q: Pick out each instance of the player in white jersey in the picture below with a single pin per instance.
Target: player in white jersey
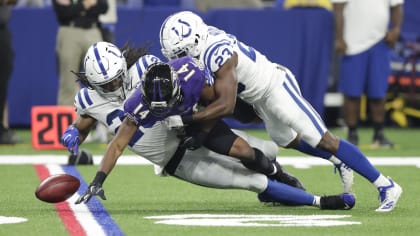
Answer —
(272, 89)
(103, 101)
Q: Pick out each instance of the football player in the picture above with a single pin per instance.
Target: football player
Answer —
(272, 89)
(109, 83)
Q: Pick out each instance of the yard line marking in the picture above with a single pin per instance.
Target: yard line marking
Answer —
(82, 219)
(66, 214)
(94, 207)
(296, 161)
(245, 220)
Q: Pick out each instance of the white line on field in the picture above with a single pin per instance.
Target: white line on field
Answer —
(295, 161)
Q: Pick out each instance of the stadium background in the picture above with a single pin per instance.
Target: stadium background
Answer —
(300, 38)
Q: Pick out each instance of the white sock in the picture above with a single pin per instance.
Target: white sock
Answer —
(381, 181)
(317, 201)
(335, 160)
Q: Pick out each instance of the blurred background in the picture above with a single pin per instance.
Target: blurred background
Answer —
(297, 34)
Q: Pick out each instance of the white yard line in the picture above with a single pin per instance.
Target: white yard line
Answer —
(297, 161)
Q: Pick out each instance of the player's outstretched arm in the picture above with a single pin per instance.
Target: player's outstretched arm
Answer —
(114, 150)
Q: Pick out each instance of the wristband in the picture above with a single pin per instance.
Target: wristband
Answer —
(99, 178)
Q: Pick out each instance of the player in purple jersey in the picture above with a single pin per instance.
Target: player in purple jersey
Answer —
(174, 88)
(102, 102)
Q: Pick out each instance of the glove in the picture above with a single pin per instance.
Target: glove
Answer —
(191, 143)
(174, 122)
(94, 189)
(70, 139)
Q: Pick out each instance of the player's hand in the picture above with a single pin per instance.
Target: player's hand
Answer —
(392, 36)
(340, 46)
(71, 140)
(174, 122)
(93, 190)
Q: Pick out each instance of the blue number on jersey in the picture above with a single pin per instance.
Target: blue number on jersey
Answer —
(120, 114)
(249, 52)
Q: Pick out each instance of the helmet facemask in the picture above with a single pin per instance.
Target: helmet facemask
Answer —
(113, 89)
(161, 89)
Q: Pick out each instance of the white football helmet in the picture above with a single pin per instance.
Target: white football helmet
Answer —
(106, 71)
(183, 33)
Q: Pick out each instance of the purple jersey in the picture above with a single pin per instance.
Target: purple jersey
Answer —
(193, 77)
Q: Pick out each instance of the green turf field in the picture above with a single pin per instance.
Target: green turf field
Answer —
(135, 193)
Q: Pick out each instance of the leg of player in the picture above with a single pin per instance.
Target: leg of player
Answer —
(285, 194)
(223, 140)
(389, 191)
(295, 112)
(346, 173)
(206, 168)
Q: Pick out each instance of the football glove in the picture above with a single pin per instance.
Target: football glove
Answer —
(191, 143)
(71, 140)
(174, 122)
(94, 189)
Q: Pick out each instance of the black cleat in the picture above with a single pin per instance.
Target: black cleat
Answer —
(284, 177)
(345, 201)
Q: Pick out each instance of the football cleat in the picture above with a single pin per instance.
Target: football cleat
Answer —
(284, 177)
(345, 201)
(346, 174)
(388, 196)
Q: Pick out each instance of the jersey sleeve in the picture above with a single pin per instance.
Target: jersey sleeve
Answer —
(82, 101)
(217, 54)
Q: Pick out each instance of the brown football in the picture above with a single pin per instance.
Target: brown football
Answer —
(57, 188)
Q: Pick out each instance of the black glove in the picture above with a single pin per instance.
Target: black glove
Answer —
(193, 138)
(94, 189)
(191, 143)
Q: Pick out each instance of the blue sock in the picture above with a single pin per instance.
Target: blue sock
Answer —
(279, 192)
(355, 159)
(308, 149)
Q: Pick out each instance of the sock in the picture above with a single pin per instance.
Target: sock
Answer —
(308, 149)
(317, 201)
(354, 158)
(352, 130)
(381, 181)
(377, 130)
(283, 193)
(335, 160)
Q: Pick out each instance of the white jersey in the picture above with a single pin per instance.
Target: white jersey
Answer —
(157, 143)
(271, 88)
(254, 70)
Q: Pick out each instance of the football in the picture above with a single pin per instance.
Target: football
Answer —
(57, 188)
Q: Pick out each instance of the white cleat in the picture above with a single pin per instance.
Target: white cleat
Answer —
(346, 175)
(388, 196)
